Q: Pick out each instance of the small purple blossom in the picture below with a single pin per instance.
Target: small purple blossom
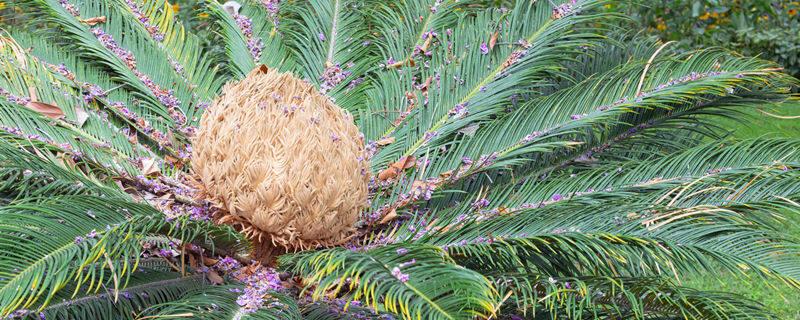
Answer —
(69, 7)
(272, 6)
(166, 253)
(480, 204)
(227, 264)
(564, 9)
(430, 135)
(321, 37)
(459, 111)
(484, 48)
(402, 251)
(333, 76)
(399, 275)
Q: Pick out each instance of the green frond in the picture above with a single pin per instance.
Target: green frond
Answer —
(531, 43)
(219, 303)
(28, 78)
(145, 288)
(600, 109)
(339, 310)
(683, 166)
(27, 175)
(47, 244)
(88, 242)
(109, 106)
(421, 283)
(184, 50)
(631, 239)
(628, 298)
(251, 37)
(125, 47)
(330, 41)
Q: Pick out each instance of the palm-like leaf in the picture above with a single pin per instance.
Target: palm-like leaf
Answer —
(561, 170)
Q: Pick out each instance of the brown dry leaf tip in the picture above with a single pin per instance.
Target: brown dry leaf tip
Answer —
(493, 40)
(385, 141)
(397, 167)
(150, 167)
(93, 21)
(47, 110)
(81, 117)
(214, 277)
(282, 161)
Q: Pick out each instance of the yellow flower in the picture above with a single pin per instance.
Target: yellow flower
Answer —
(705, 16)
(661, 26)
(2, 5)
(176, 7)
(202, 15)
(792, 12)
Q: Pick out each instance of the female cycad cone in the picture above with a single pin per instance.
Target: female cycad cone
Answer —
(282, 161)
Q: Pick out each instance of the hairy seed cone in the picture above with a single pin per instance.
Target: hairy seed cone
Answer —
(282, 161)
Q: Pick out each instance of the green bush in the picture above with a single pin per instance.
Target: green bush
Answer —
(769, 29)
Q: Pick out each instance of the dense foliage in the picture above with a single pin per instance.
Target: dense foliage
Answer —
(524, 164)
(766, 28)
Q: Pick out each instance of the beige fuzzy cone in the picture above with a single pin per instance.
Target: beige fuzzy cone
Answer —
(282, 161)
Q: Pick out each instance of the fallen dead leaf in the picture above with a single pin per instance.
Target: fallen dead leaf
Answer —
(150, 167)
(405, 162)
(209, 261)
(391, 215)
(386, 141)
(388, 173)
(81, 117)
(493, 40)
(214, 277)
(446, 174)
(395, 168)
(46, 109)
(193, 262)
(94, 21)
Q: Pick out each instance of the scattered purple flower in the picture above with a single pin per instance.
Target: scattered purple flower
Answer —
(484, 48)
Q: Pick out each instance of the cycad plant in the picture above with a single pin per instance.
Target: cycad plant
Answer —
(514, 162)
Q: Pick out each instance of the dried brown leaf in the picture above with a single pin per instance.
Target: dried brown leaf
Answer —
(150, 167)
(46, 109)
(209, 261)
(391, 215)
(388, 173)
(81, 117)
(214, 277)
(405, 162)
(493, 40)
(95, 20)
(386, 141)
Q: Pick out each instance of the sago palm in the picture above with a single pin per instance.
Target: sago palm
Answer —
(351, 159)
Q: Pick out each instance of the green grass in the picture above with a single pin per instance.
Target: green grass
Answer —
(781, 299)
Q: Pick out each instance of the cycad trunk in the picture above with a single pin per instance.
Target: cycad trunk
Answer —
(282, 161)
